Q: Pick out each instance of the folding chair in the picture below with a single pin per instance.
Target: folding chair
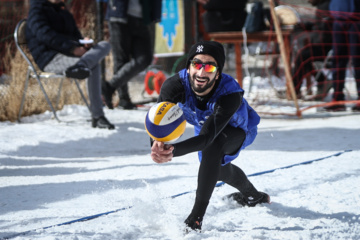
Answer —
(32, 72)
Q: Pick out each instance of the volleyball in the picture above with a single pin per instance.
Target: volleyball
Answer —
(165, 122)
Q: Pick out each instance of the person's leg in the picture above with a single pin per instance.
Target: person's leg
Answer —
(210, 171)
(123, 91)
(60, 63)
(96, 106)
(340, 59)
(120, 39)
(303, 66)
(95, 54)
(94, 90)
(319, 52)
(92, 60)
(355, 56)
(235, 177)
(228, 142)
(141, 54)
(354, 39)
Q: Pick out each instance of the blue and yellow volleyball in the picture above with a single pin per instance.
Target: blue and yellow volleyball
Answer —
(165, 122)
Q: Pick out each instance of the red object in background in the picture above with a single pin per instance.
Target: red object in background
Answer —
(158, 81)
(154, 81)
(148, 82)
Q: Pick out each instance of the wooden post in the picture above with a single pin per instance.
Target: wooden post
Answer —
(238, 63)
(284, 57)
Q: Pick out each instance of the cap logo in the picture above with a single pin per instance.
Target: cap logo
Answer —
(200, 48)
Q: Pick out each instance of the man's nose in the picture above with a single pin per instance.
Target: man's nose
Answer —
(202, 72)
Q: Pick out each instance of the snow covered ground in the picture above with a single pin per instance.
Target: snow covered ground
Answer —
(52, 173)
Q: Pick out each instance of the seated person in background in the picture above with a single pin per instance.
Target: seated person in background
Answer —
(53, 40)
(317, 44)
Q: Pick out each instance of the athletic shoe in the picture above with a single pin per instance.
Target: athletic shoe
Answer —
(77, 71)
(249, 201)
(102, 122)
(336, 108)
(107, 92)
(193, 224)
(126, 104)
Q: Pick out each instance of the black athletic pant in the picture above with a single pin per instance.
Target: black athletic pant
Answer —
(211, 171)
(345, 44)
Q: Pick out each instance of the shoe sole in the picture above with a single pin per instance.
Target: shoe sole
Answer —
(96, 125)
(104, 127)
(336, 110)
(239, 198)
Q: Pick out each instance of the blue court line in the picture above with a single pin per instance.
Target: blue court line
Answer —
(273, 170)
(174, 196)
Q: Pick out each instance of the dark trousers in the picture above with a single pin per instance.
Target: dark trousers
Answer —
(346, 43)
(211, 171)
(132, 50)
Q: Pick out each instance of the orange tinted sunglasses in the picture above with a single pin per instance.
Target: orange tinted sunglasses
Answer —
(208, 67)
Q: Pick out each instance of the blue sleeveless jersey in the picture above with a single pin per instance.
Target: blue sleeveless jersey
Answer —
(245, 118)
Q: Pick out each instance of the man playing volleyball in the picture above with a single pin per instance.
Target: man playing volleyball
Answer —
(224, 124)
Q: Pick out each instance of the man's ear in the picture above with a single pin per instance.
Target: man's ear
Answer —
(188, 70)
(217, 75)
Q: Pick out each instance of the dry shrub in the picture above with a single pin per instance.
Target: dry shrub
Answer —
(10, 91)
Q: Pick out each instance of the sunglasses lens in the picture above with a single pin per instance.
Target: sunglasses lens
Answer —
(210, 68)
(197, 66)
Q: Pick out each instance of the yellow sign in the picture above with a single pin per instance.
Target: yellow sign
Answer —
(170, 34)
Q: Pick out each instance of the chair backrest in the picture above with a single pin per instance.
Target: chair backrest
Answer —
(21, 44)
(19, 33)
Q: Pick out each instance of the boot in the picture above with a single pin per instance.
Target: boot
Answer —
(107, 92)
(193, 224)
(78, 71)
(125, 103)
(102, 122)
(249, 201)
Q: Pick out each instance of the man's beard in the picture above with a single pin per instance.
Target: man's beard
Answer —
(206, 86)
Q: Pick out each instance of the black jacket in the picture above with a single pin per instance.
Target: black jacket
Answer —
(50, 29)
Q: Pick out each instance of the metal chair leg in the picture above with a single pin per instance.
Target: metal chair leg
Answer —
(24, 93)
(47, 98)
(82, 94)
(59, 93)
